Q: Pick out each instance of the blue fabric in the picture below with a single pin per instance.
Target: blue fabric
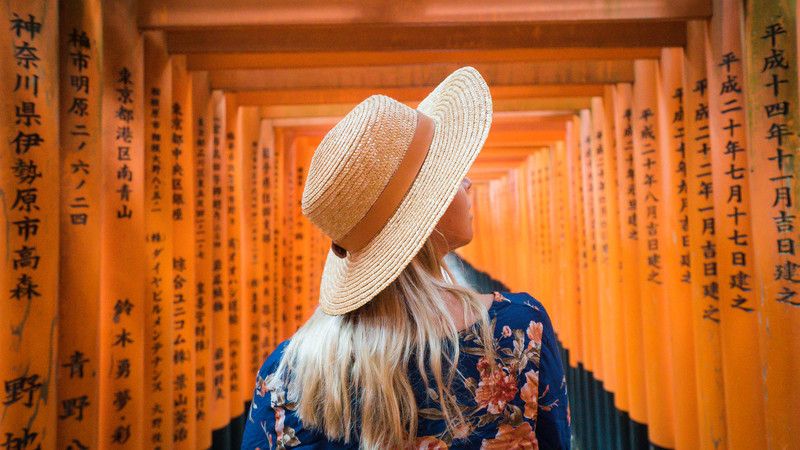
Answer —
(522, 404)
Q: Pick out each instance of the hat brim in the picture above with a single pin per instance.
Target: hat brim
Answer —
(461, 108)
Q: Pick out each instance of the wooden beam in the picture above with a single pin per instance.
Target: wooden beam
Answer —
(544, 103)
(503, 123)
(421, 75)
(488, 159)
(393, 37)
(180, 13)
(356, 95)
(283, 60)
(558, 104)
(523, 137)
(477, 174)
(492, 153)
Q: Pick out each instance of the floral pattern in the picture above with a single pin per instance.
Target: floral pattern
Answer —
(517, 401)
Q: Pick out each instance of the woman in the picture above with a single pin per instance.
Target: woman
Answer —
(397, 356)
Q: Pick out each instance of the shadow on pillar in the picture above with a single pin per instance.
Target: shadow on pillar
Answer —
(230, 437)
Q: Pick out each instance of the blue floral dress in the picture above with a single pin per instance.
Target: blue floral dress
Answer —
(522, 404)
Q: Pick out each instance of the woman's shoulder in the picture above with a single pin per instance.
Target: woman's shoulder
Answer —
(271, 362)
(518, 308)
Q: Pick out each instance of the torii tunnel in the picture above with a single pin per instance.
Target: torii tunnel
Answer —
(639, 179)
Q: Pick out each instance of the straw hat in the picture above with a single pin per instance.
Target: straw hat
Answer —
(382, 177)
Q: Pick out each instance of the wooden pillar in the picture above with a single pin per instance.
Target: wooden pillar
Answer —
(122, 236)
(591, 342)
(675, 235)
(650, 209)
(739, 305)
(600, 145)
(220, 402)
(267, 215)
(304, 148)
(772, 96)
(233, 248)
(535, 236)
(181, 174)
(704, 281)
(159, 238)
(589, 298)
(629, 252)
(575, 203)
(80, 125)
(546, 212)
(280, 237)
(248, 130)
(614, 255)
(29, 181)
(202, 116)
(567, 293)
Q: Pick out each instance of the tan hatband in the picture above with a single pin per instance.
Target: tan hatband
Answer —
(393, 193)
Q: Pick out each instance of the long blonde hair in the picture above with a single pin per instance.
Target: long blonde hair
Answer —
(340, 370)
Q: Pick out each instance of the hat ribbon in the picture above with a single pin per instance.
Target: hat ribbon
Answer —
(393, 193)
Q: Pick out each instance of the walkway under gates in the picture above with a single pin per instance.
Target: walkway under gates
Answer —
(639, 179)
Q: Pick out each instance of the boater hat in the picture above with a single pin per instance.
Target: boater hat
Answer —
(382, 177)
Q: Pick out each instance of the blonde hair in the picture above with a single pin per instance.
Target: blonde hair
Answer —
(341, 369)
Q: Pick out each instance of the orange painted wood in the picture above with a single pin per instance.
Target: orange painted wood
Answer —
(220, 403)
(243, 81)
(591, 338)
(181, 175)
(305, 148)
(650, 211)
(551, 257)
(553, 237)
(599, 144)
(611, 252)
(384, 36)
(159, 244)
(560, 104)
(29, 183)
(614, 252)
(202, 118)
(281, 236)
(483, 213)
(173, 13)
(81, 177)
(268, 310)
(522, 186)
(232, 169)
(248, 129)
(293, 307)
(320, 246)
(275, 60)
(705, 283)
(567, 254)
(772, 94)
(675, 234)
(507, 193)
(526, 204)
(122, 237)
(628, 232)
(541, 226)
(577, 352)
(498, 213)
(740, 309)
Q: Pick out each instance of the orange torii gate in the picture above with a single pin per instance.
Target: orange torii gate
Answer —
(641, 165)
